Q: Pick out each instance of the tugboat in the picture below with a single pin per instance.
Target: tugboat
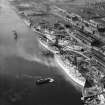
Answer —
(44, 81)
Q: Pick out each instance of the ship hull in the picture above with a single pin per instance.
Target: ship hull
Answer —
(69, 70)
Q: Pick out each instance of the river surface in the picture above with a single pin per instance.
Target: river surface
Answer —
(21, 66)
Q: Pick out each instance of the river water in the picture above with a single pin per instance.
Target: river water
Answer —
(19, 69)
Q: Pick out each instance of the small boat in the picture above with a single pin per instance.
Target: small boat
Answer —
(15, 34)
(44, 81)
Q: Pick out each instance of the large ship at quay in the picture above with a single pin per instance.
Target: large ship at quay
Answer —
(78, 48)
(79, 57)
